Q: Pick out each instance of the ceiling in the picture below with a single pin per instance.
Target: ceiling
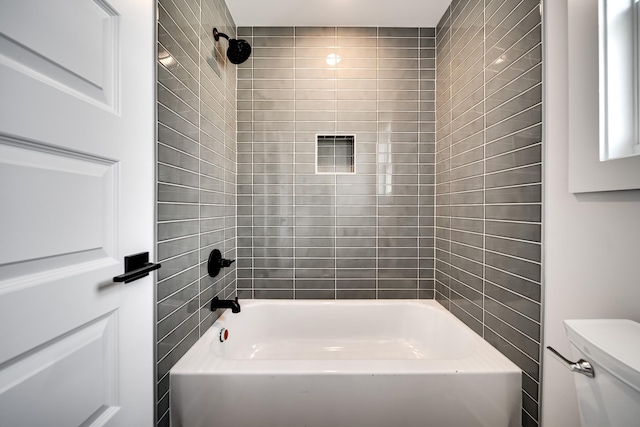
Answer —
(344, 13)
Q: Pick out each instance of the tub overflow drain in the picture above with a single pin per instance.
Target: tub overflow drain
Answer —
(224, 334)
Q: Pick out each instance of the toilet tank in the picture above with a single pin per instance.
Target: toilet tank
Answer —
(612, 346)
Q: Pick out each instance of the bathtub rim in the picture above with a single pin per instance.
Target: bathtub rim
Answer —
(199, 360)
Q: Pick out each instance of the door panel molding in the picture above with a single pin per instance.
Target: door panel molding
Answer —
(82, 60)
(37, 384)
(71, 208)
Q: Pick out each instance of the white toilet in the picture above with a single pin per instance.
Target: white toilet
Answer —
(612, 346)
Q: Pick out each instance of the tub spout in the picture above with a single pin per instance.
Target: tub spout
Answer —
(234, 305)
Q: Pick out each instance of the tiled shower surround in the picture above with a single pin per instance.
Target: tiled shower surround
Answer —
(196, 154)
(364, 235)
(488, 177)
(445, 201)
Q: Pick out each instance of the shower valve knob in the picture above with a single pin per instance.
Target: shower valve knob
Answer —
(216, 262)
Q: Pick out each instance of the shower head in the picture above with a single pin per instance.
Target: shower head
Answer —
(238, 51)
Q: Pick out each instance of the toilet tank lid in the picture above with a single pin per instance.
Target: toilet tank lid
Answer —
(614, 344)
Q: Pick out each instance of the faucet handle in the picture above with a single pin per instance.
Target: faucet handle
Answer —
(226, 262)
(581, 366)
(216, 262)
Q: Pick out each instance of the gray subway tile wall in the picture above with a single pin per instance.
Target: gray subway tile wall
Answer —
(196, 171)
(445, 201)
(488, 177)
(369, 234)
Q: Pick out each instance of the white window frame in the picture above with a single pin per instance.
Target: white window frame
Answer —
(587, 172)
(619, 74)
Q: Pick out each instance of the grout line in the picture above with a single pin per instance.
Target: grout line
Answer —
(377, 179)
(196, 328)
(514, 275)
(522, 74)
(178, 46)
(466, 69)
(513, 45)
(458, 12)
(177, 79)
(419, 228)
(180, 168)
(191, 251)
(200, 332)
(294, 215)
(449, 145)
(515, 25)
(519, 295)
(335, 177)
(537, 382)
(514, 257)
(537, 322)
(525, 92)
(157, 382)
(172, 294)
(510, 12)
(484, 168)
(514, 346)
(452, 302)
(177, 326)
(532, 417)
(253, 224)
(184, 16)
(177, 132)
(468, 16)
(165, 414)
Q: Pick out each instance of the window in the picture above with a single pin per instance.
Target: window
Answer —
(619, 58)
(587, 171)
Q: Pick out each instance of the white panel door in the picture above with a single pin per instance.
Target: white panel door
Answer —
(76, 196)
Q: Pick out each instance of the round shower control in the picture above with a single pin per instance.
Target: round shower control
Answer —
(224, 334)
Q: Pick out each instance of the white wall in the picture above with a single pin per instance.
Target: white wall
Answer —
(592, 241)
(341, 13)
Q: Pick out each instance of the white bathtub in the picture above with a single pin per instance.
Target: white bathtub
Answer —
(344, 363)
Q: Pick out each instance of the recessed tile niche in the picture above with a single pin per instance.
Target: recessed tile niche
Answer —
(335, 154)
